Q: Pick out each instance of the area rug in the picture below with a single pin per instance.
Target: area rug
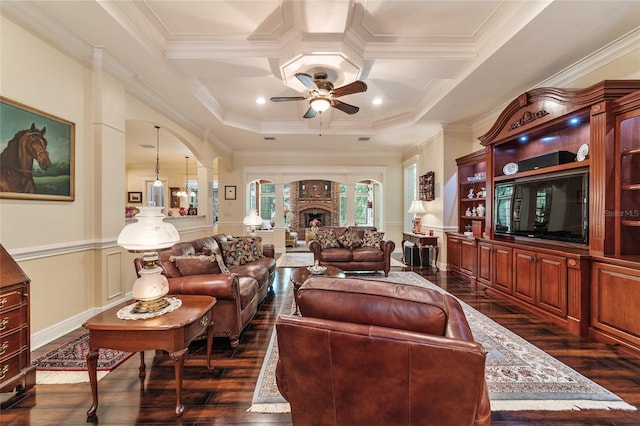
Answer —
(297, 259)
(68, 363)
(519, 375)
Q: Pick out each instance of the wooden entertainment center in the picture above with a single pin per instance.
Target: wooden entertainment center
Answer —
(586, 279)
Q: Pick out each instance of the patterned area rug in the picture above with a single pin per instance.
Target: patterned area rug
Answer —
(297, 259)
(68, 363)
(519, 375)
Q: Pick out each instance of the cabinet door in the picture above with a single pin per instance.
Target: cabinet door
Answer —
(551, 293)
(524, 274)
(503, 269)
(453, 253)
(485, 263)
(468, 256)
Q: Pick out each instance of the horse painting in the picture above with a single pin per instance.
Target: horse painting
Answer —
(16, 161)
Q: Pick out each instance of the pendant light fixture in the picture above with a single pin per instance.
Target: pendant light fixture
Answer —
(186, 192)
(157, 182)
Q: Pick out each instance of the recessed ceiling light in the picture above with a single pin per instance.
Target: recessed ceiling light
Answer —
(260, 100)
(377, 101)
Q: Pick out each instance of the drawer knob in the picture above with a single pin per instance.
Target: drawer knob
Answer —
(4, 347)
(4, 322)
(3, 302)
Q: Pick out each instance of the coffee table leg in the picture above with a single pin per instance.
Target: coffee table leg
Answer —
(143, 367)
(178, 358)
(92, 365)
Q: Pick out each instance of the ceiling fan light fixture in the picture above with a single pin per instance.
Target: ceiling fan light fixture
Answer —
(320, 104)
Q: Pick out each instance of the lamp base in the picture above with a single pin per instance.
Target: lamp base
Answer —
(150, 306)
(417, 226)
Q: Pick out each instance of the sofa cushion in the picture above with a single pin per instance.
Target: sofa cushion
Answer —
(336, 255)
(196, 265)
(240, 250)
(327, 238)
(350, 239)
(367, 254)
(373, 239)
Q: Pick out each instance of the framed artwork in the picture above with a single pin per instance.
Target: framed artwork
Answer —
(134, 197)
(427, 186)
(314, 190)
(37, 154)
(229, 192)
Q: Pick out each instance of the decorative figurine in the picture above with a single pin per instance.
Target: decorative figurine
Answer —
(468, 212)
(474, 212)
(470, 195)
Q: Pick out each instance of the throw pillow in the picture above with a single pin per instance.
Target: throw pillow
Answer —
(240, 250)
(212, 249)
(372, 239)
(350, 239)
(196, 265)
(327, 238)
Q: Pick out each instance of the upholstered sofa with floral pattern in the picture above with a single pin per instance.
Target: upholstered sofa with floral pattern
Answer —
(353, 248)
(237, 271)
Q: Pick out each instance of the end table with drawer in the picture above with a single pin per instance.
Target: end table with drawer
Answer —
(423, 241)
(171, 332)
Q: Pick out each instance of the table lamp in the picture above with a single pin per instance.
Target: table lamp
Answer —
(148, 235)
(417, 208)
(253, 221)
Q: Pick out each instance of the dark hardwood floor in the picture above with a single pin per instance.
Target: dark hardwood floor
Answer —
(223, 397)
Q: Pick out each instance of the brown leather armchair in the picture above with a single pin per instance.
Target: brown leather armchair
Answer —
(370, 352)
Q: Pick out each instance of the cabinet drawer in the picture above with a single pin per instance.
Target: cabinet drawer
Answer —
(10, 320)
(12, 343)
(12, 366)
(10, 300)
(199, 327)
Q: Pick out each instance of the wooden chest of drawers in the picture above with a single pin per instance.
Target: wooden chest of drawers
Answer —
(16, 372)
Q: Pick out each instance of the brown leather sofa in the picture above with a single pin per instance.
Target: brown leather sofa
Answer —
(368, 352)
(238, 292)
(352, 258)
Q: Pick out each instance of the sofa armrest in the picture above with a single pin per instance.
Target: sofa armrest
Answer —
(221, 286)
(315, 248)
(269, 250)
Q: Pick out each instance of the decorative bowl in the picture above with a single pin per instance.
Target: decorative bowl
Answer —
(316, 270)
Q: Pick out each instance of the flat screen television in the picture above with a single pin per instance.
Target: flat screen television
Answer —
(552, 207)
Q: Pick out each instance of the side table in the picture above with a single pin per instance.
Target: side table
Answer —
(422, 241)
(171, 332)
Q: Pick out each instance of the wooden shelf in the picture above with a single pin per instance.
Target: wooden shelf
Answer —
(631, 187)
(631, 223)
(633, 151)
(559, 168)
(473, 199)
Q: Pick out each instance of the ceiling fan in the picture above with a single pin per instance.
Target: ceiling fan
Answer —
(322, 94)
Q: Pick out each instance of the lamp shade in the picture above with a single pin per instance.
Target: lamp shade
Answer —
(149, 232)
(320, 104)
(252, 219)
(417, 207)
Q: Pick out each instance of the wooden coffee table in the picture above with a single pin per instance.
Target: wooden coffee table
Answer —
(171, 332)
(300, 275)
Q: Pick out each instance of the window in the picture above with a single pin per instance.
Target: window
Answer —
(411, 192)
(362, 200)
(267, 201)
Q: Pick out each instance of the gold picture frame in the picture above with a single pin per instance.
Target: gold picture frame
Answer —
(37, 161)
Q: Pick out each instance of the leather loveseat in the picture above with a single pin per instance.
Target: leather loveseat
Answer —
(368, 352)
(353, 248)
(238, 272)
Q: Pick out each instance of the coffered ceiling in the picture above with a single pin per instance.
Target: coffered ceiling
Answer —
(205, 63)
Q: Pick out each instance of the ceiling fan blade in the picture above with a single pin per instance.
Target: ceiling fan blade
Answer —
(349, 109)
(310, 113)
(306, 79)
(348, 89)
(287, 98)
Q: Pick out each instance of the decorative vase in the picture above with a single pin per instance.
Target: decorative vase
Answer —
(480, 210)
